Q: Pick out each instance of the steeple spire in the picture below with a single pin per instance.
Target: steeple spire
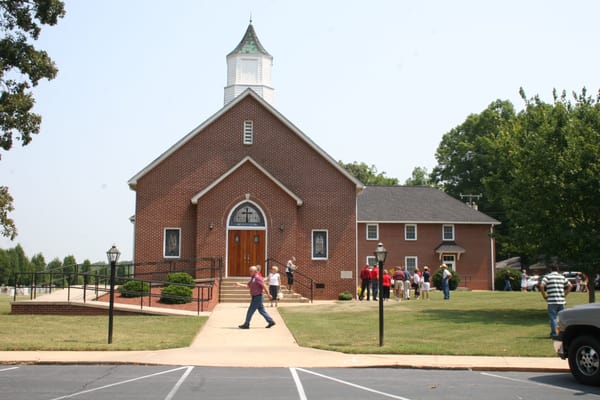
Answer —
(249, 66)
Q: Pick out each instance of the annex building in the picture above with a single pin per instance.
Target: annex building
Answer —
(248, 185)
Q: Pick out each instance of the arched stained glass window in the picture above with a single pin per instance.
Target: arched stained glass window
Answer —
(246, 214)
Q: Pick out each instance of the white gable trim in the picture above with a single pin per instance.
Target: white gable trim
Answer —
(246, 159)
(248, 92)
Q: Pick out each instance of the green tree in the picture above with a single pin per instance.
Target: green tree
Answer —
(71, 269)
(368, 175)
(419, 177)
(468, 154)
(22, 67)
(549, 180)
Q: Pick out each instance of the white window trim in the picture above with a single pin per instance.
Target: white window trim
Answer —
(371, 260)
(406, 258)
(248, 137)
(376, 231)
(312, 244)
(453, 232)
(405, 232)
(165, 243)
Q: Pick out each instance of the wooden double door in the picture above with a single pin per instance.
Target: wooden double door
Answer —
(245, 248)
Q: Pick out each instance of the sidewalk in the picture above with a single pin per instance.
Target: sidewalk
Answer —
(221, 343)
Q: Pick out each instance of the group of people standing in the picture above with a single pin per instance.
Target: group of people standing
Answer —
(401, 280)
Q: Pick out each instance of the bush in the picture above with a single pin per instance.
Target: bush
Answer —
(437, 279)
(345, 295)
(515, 281)
(174, 294)
(134, 289)
(181, 277)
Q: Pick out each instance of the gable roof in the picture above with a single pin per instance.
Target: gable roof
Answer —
(245, 160)
(246, 93)
(415, 204)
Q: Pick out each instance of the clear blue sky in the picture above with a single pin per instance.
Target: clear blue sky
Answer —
(372, 81)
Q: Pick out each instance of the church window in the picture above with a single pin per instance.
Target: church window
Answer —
(248, 132)
(319, 245)
(172, 243)
(246, 214)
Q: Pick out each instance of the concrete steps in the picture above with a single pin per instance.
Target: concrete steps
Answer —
(231, 293)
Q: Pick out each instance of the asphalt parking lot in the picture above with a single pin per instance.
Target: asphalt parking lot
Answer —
(98, 382)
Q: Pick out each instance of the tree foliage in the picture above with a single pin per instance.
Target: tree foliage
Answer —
(539, 172)
(22, 66)
(368, 175)
(420, 177)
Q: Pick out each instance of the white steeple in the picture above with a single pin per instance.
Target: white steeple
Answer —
(249, 66)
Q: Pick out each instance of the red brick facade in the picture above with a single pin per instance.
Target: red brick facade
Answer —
(474, 266)
(280, 167)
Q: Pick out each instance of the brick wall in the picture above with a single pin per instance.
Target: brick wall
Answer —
(163, 197)
(473, 265)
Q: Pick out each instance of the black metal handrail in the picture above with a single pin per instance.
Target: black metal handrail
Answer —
(305, 281)
(71, 277)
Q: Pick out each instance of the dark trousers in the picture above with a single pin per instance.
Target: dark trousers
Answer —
(364, 287)
(375, 285)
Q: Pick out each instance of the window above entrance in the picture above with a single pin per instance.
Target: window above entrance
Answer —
(246, 214)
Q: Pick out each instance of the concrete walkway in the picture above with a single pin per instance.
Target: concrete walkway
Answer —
(221, 343)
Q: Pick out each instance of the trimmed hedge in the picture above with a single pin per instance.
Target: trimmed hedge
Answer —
(345, 295)
(134, 289)
(177, 292)
(515, 278)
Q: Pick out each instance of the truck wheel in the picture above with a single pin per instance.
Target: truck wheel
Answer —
(584, 360)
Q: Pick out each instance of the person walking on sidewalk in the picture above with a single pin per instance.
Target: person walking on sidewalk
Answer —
(257, 286)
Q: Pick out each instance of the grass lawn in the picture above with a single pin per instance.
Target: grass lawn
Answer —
(471, 323)
(56, 332)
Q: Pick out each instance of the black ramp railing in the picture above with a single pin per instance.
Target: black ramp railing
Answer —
(300, 279)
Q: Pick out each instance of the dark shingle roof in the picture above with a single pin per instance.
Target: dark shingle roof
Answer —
(415, 204)
(250, 44)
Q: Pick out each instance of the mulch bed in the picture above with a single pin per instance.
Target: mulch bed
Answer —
(154, 301)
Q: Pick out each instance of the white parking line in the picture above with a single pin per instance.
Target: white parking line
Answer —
(8, 369)
(298, 382)
(391, 396)
(530, 382)
(179, 383)
(119, 383)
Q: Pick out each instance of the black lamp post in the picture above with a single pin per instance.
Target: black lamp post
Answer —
(113, 256)
(380, 254)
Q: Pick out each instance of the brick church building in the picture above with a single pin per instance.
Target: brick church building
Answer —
(248, 185)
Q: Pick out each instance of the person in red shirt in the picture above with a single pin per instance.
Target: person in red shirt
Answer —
(375, 281)
(387, 283)
(365, 277)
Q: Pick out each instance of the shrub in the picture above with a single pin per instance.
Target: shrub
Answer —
(345, 295)
(181, 277)
(134, 289)
(437, 280)
(174, 294)
(515, 281)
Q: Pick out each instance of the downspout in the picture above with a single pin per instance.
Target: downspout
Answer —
(493, 256)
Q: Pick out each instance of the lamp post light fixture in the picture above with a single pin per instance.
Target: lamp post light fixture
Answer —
(113, 256)
(380, 254)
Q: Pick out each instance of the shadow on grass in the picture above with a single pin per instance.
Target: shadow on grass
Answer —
(523, 317)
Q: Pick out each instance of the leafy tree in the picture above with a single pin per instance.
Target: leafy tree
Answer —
(70, 268)
(22, 67)
(549, 180)
(368, 174)
(419, 177)
(468, 154)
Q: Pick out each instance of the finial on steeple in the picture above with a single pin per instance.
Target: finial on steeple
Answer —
(250, 18)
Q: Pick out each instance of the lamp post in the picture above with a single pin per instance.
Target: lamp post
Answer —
(380, 254)
(113, 256)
